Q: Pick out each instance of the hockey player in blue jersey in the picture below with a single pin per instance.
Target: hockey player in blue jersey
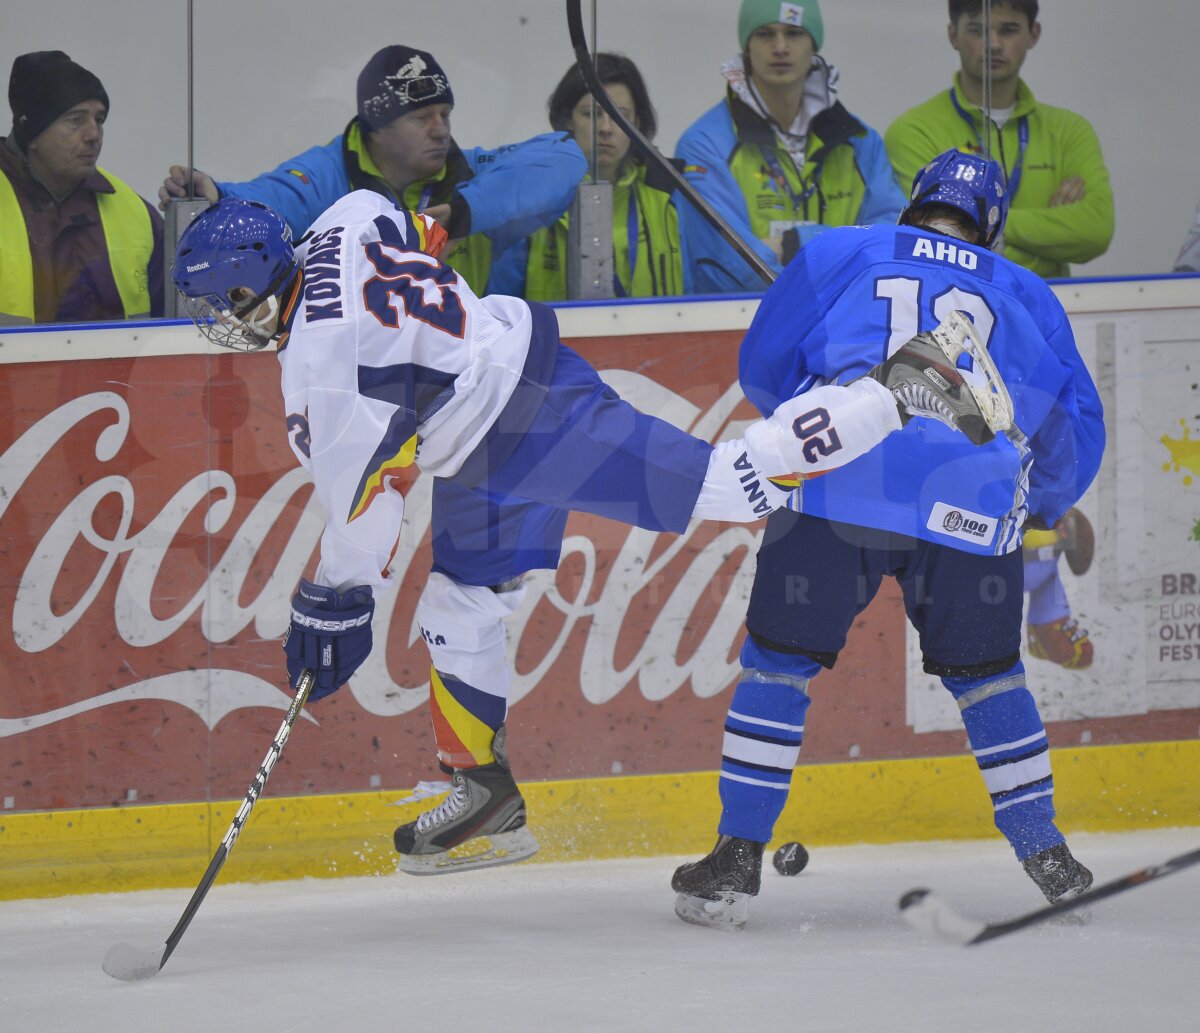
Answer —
(941, 517)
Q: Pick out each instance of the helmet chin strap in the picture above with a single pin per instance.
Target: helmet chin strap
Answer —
(266, 326)
(260, 327)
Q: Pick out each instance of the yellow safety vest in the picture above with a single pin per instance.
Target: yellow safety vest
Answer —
(128, 237)
(831, 193)
(653, 253)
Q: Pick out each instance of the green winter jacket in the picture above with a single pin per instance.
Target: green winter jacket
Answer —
(1061, 144)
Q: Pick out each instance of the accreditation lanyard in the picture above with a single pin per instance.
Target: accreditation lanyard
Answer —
(1014, 177)
(799, 199)
(631, 246)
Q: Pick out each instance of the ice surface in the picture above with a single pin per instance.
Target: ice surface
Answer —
(596, 946)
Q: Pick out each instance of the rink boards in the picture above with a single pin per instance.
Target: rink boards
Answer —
(153, 525)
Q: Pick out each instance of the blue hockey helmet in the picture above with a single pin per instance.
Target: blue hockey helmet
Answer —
(235, 257)
(976, 186)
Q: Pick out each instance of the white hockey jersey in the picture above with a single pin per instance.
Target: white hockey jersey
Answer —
(390, 359)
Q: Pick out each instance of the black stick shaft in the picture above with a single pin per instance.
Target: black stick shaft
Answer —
(652, 153)
(239, 819)
(1109, 889)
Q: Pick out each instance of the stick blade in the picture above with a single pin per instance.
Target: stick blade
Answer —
(130, 964)
(956, 335)
(928, 913)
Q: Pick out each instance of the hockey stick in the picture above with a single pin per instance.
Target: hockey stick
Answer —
(129, 963)
(957, 335)
(652, 153)
(927, 912)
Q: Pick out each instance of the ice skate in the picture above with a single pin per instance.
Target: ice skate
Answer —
(1057, 874)
(1062, 642)
(481, 824)
(716, 890)
(925, 381)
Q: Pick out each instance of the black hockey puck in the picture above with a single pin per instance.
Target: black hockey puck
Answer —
(790, 859)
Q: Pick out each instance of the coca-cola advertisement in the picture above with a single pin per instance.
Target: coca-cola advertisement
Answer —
(154, 525)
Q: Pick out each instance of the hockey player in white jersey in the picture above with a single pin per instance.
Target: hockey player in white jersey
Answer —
(388, 359)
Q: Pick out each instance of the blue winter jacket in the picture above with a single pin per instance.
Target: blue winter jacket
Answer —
(734, 159)
(503, 194)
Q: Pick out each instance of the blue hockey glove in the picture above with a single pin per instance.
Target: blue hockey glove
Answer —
(330, 634)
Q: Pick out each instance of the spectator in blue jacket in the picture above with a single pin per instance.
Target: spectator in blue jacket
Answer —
(399, 145)
(779, 158)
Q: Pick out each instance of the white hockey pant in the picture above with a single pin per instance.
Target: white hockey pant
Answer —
(463, 626)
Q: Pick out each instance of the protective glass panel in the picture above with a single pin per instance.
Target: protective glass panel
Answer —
(154, 515)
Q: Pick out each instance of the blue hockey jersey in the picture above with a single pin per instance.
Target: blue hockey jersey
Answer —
(854, 295)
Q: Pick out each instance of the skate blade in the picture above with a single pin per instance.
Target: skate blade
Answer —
(955, 335)
(480, 852)
(729, 911)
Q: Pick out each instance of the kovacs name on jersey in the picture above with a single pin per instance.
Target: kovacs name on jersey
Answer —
(323, 276)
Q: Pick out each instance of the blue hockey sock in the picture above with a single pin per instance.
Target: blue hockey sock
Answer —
(1009, 742)
(763, 732)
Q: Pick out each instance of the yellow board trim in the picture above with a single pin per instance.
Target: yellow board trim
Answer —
(1099, 789)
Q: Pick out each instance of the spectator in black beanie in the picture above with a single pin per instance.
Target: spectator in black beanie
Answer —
(399, 145)
(85, 247)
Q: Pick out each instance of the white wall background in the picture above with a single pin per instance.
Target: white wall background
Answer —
(273, 77)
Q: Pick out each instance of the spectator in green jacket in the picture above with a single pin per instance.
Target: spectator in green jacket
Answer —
(1062, 204)
(647, 253)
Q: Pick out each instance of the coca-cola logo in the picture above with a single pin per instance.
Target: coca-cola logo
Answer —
(592, 602)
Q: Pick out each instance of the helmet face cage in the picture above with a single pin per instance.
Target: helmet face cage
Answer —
(974, 185)
(234, 246)
(217, 320)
